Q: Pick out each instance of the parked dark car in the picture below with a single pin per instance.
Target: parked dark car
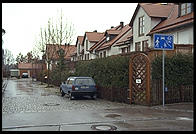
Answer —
(78, 87)
(25, 75)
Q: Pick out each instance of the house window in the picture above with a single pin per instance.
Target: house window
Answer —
(141, 26)
(186, 8)
(144, 45)
(100, 55)
(86, 44)
(104, 54)
(137, 46)
(87, 56)
(128, 49)
(123, 50)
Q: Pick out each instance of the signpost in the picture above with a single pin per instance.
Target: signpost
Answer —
(163, 42)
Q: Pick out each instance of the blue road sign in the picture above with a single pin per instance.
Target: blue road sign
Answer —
(163, 42)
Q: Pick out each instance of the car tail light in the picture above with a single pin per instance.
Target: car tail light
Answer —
(96, 86)
(73, 88)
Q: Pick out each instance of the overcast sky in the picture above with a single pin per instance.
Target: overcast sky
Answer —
(22, 21)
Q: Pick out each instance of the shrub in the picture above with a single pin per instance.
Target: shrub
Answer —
(107, 72)
(178, 69)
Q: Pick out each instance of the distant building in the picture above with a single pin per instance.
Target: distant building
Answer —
(52, 53)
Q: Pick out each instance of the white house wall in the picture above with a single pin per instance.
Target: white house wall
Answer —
(113, 50)
(147, 27)
(182, 35)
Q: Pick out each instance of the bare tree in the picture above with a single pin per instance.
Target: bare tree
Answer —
(52, 37)
(8, 57)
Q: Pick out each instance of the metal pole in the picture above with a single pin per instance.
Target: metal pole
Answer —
(163, 78)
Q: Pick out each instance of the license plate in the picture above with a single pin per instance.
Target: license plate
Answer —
(84, 87)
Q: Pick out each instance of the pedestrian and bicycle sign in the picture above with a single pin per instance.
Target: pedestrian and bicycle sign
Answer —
(163, 42)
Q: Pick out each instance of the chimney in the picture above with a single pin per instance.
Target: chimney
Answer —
(122, 24)
(95, 31)
(112, 26)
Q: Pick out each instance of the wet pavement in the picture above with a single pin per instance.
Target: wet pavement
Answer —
(29, 106)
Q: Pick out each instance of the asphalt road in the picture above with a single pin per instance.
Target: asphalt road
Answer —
(29, 106)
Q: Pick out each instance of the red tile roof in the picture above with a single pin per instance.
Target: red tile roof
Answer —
(52, 49)
(94, 36)
(125, 38)
(80, 39)
(153, 10)
(25, 66)
(101, 41)
(114, 32)
(157, 10)
(173, 21)
(110, 43)
(169, 12)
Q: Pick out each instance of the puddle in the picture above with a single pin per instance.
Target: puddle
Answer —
(112, 115)
(103, 127)
(183, 118)
(51, 104)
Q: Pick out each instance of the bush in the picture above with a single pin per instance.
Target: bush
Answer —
(178, 70)
(57, 76)
(107, 72)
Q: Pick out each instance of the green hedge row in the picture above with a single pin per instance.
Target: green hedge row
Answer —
(107, 72)
(178, 70)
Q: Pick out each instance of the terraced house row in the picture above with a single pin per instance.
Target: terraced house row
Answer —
(148, 18)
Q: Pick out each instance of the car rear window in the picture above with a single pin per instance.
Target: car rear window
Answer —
(84, 82)
(70, 81)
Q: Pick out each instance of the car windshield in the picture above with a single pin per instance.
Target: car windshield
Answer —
(83, 81)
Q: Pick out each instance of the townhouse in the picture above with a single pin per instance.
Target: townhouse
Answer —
(99, 45)
(90, 39)
(109, 45)
(80, 48)
(148, 18)
(162, 18)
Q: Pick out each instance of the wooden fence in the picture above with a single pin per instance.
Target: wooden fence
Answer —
(114, 94)
(172, 94)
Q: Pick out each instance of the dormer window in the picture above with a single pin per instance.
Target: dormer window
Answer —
(185, 8)
(108, 38)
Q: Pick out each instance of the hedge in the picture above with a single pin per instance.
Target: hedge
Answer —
(178, 70)
(107, 72)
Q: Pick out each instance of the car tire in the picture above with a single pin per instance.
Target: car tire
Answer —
(70, 96)
(62, 93)
(94, 97)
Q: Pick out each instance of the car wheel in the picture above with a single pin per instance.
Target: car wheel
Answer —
(94, 97)
(62, 93)
(70, 96)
